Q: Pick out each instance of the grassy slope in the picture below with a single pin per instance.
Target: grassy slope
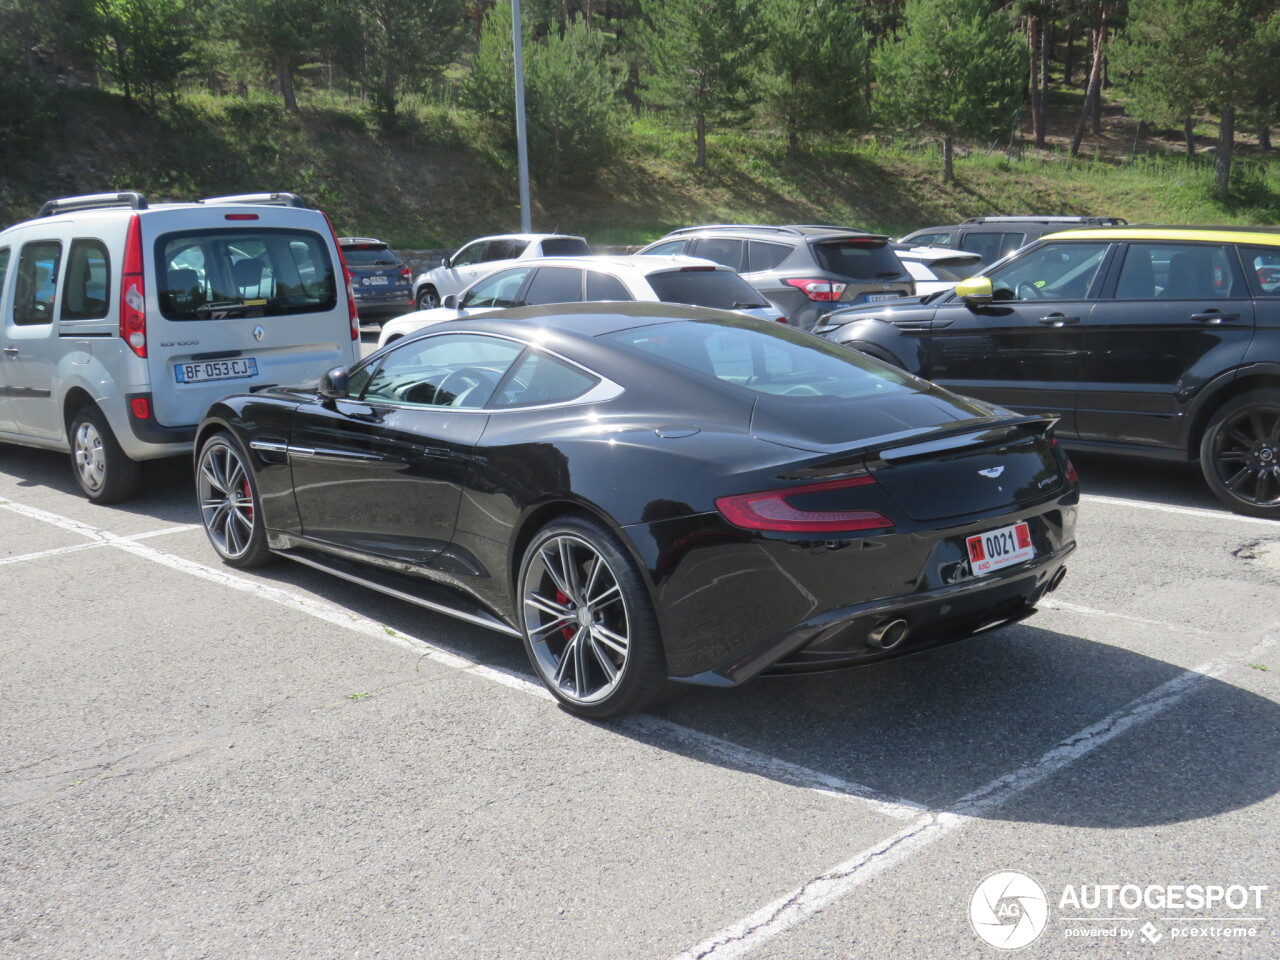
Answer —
(427, 186)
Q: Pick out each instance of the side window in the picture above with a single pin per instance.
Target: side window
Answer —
(985, 245)
(1261, 264)
(539, 379)
(669, 249)
(504, 250)
(37, 282)
(555, 285)
(4, 269)
(604, 286)
(1178, 271)
(498, 290)
(470, 254)
(453, 370)
(762, 255)
(1056, 271)
(86, 291)
(931, 240)
(731, 356)
(721, 250)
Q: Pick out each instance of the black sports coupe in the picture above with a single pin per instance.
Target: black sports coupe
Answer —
(648, 493)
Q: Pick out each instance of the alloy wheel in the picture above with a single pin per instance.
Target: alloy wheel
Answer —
(1246, 454)
(226, 500)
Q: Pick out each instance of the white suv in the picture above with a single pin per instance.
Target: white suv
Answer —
(690, 280)
(485, 255)
(123, 321)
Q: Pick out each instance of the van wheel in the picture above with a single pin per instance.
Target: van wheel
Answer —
(104, 472)
(1240, 454)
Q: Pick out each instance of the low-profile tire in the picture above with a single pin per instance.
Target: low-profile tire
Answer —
(1240, 454)
(103, 470)
(230, 507)
(428, 298)
(589, 626)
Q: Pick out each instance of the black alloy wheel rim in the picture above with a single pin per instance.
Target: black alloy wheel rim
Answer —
(1246, 454)
(226, 500)
(576, 619)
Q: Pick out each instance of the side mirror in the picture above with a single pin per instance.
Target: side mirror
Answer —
(333, 385)
(975, 290)
(444, 262)
(450, 302)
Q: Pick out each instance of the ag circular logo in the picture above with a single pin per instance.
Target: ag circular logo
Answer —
(1008, 910)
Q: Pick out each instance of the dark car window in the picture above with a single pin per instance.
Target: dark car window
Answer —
(668, 249)
(1262, 264)
(87, 288)
(504, 250)
(453, 370)
(706, 288)
(470, 254)
(929, 240)
(499, 290)
(763, 255)
(992, 246)
(858, 259)
(1178, 271)
(954, 270)
(555, 285)
(1056, 271)
(370, 256)
(783, 362)
(565, 247)
(604, 286)
(37, 282)
(539, 379)
(721, 250)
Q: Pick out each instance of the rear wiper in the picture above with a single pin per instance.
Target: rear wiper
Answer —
(749, 306)
(885, 274)
(219, 310)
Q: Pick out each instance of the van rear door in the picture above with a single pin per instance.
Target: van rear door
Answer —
(243, 296)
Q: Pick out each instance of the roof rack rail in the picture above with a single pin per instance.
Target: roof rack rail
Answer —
(360, 240)
(735, 226)
(830, 226)
(273, 199)
(94, 201)
(1090, 221)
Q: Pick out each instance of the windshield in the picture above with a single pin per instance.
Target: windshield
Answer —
(779, 362)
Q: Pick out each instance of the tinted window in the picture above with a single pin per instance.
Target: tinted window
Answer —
(504, 250)
(668, 249)
(858, 259)
(370, 256)
(454, 370)
(603, 286)
(992, 246)
(947, 270)
(565, 247)
(1178, 271)
(1262, 264)
(539, 379)
(929, 239)
(1057, 271)
(706, 288)
(555, 285)
(86, 290)
(762, 255)
(37, 279)
(782, 362)
(471, 253)
(721, 250)
(498, 290)
(212, 274)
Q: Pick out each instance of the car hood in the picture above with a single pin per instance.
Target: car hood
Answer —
(919, 307)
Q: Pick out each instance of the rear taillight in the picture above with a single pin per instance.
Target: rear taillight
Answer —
(404, 272)
(133, 291)
(1068, 467)
(353, 312)
(818, 289)
(770, 510)
(781, 319)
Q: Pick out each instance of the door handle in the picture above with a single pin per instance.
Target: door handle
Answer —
(1213, 316)
(11, 351)
(1058, 320)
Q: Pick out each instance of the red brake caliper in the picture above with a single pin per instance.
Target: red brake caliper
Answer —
(563, 600)
(248, 495)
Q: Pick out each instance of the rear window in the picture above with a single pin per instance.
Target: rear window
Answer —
(779, 362)
(858, 259)
(565, 247)
(212, 274)
(370, 256)
(945, 270)
(718, 289)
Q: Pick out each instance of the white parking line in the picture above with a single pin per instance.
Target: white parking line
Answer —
(785, 912)
(1183, 511)
(742, 758)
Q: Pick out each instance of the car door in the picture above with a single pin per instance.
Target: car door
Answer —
(1022, 350)
(1175, 315)
(6, 418)
(31, 341)
(495, 292)
(464, 268)
(381, 472)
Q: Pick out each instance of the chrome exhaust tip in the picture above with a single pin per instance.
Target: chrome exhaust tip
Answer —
(1057, 580)
(887, 634)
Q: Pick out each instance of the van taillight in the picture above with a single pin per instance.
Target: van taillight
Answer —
(133, 291)
(353, 313)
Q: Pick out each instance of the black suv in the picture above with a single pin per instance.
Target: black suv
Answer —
(1160, 341)
(805, 270)
(993, 238)
(379, 278)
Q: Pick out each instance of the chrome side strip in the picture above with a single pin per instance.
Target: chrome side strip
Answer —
(268, 446)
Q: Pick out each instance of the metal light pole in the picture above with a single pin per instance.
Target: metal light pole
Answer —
(522, 146)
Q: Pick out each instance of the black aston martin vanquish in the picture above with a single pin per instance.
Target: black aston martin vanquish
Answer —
(649, 493)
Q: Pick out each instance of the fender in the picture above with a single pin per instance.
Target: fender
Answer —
(885, 341)
(1220, 389)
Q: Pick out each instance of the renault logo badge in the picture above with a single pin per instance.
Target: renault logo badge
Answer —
(259, 333)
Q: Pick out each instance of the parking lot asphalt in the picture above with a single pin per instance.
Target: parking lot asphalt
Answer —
(199, 762)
